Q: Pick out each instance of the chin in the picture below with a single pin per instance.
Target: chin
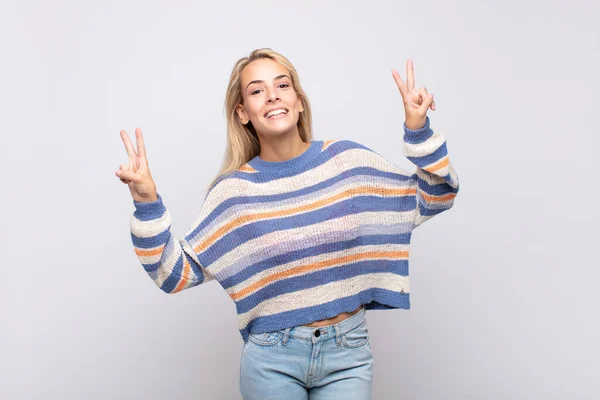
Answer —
(278, 130)
(270, 133)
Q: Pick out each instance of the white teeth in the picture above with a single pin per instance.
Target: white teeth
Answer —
(275, 112)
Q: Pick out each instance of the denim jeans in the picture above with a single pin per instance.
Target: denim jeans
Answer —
(296, 364)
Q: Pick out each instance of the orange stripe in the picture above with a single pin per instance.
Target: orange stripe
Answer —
(149, 253)
(184, 275)
(437, 199)
(327, 143)
(315, 266)
(439, 165)
(322, 203)
(246, 168)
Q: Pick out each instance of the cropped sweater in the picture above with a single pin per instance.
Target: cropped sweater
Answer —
(305, 239)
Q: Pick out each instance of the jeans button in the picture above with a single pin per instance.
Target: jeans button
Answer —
(317, 333)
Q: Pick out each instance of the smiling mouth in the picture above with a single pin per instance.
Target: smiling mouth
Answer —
(275, 113)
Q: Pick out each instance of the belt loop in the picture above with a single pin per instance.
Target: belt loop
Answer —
(336, 327)
(286, 336)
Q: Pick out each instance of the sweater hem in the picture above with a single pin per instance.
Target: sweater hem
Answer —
(373, 299)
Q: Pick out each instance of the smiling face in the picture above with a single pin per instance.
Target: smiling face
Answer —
(269, 99)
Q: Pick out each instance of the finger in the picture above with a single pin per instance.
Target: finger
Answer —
(128, 147)
(118, 173)
(400, 83)
(416, 98)
(422, 94)
(141, 148)
(125, 167)
(427, 100)
(432, 103)
(410, 75)
(129, 176)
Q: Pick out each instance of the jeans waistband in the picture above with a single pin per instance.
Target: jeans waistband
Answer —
(327, 331)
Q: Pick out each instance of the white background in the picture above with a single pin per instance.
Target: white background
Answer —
(504, 286)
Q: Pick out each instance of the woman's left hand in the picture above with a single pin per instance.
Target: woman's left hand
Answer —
(416, 102)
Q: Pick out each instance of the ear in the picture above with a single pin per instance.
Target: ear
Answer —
(242, 114)
(301, 107)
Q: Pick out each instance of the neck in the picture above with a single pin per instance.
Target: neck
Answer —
(281, 147)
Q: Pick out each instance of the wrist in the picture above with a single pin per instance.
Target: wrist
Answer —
(148, 198)
(416, 125)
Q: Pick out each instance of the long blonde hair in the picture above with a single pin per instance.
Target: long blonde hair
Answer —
(242, 140)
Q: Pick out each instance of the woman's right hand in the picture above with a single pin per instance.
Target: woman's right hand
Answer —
(136, 174)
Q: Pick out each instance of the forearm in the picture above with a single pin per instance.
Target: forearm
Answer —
(436, 180)
(168, 261)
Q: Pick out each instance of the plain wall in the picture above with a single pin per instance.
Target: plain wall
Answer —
(504, 287)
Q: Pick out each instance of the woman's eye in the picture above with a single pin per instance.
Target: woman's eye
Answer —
(281, 85)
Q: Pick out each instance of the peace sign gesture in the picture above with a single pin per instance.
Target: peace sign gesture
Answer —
(136, 174)
(416, 102)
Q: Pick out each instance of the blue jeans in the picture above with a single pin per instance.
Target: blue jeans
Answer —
(296, 364)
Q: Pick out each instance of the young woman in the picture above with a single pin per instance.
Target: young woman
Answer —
(304, 235)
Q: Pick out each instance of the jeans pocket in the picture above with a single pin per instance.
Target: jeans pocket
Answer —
(356, 337)
(266, 339)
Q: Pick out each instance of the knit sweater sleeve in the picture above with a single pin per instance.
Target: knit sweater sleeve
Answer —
(170, 261)
(436, 180)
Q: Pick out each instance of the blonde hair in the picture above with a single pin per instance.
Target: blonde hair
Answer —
(242, 140)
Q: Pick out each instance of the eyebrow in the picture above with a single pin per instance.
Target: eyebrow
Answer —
(261, 81)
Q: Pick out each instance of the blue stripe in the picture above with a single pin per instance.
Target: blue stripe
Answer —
(333, 150)
(322, 277)
(376, 203)
(173, 279)
(149, 268)
(437, 155)
(171, 282)
(195, 267)
(419, 135)
(417, 138)
(437, 189)
(152, 269)
(324, 248)
(425, 210)
(259, 228)
(149, 211)
(324, 185)
(152, 241)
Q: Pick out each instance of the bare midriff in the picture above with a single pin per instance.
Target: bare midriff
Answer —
(334, 320)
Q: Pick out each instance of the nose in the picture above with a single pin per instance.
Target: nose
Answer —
(273, 97)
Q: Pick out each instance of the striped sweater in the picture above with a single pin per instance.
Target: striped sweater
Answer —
(304, 239)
